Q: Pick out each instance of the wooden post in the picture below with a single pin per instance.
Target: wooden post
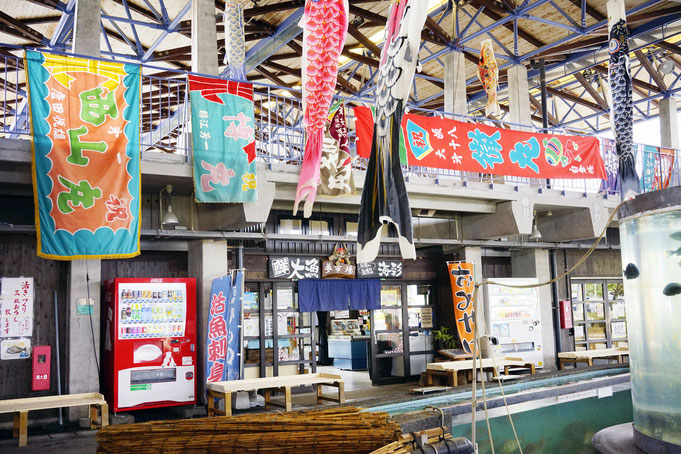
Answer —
(268, 398)
(319, 393)
(227, 395)
(104, 409)
(93, 417)
(287, 398)
(341, 392)
(23, 428)
(211, 403)
(15, 428)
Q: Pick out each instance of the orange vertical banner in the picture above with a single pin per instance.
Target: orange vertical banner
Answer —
(461, 277)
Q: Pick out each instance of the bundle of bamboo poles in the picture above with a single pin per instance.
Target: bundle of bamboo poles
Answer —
(337, 430)
(406, 443)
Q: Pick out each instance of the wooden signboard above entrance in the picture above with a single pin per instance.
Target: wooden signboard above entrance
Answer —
(380, 269)
(287, 267)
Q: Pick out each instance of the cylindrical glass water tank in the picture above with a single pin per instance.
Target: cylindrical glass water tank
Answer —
(650, 234)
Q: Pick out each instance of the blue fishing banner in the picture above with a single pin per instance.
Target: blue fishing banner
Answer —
(223, 136)
(86, 156)
(217, 333)
(233, 362)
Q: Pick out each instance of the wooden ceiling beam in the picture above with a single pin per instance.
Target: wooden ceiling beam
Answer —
(591, 90)
(590, 10)
(670, 47)
(426, 35)
(574, 98)
(636, 82)
(537, 105)
(577, 45)
(648, 66)
(366, 42)
(41, 20)
(25, 30)
(522, 33)
(273, 8)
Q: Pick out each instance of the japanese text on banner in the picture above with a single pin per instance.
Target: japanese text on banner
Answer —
(461, 277)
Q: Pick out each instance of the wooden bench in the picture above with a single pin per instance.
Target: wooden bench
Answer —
(450, 369)
(223, 390)
(21, 407)
(588, 356)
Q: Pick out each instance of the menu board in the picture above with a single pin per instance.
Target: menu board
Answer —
(151, 310)
(16, 307)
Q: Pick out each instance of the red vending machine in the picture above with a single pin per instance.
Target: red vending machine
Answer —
(149, 343)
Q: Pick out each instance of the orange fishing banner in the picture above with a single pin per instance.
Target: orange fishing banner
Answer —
(86, 156)
(461, 277)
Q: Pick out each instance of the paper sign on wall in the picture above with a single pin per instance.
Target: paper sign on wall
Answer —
(16, 307)
(15, 348)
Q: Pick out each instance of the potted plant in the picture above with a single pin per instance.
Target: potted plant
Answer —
(446, 340)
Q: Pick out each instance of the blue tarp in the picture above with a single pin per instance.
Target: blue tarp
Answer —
(338, 294)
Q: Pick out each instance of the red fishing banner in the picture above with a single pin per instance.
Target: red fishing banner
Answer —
(444, 143)
(461, 277)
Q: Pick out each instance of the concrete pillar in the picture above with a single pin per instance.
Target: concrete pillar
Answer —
(86, 28)
(204, 38)
(474, 255)
(81, 349)
(207, 260)
(669, 123)
(535, 263)
(518, 95)
(455, 83)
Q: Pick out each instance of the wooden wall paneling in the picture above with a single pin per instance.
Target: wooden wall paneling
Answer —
(19, 258)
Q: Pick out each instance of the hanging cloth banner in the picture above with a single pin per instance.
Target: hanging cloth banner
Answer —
(335, 173)
(488, 75)
(611, 183)
(86, 156)
(444, 143)
(657, 168)
(384, 196)
(325, 24)
(217, 338)
(235, 46)
(461, 277)
(223, 136)
(232, 362)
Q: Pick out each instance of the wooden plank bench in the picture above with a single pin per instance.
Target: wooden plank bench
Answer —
(223, 390)
(21, 407)
(450, 369)
(588, 356)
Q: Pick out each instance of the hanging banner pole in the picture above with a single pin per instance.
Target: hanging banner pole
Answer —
(461, 278)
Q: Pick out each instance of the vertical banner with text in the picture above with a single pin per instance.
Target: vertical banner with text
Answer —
(223, 137)
(217, 332)
(86, 156)
(461, 277)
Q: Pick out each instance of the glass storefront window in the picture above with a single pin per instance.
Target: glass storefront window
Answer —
(597, 345)
(618, 330)
(579, 333)
(287, 323)
(418, 295)
(595, 311)
(391, 295)
(319, 227)
(388, 319)
(351, 228)
(578, 312)
(291, 226)
(389, 343)
(615, 291)
(420, 317)
(286, 298)
(576, 292)
(593, 291)
(596, 331)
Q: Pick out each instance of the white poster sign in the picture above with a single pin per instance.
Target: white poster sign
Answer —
(16, 306)
(15, 348)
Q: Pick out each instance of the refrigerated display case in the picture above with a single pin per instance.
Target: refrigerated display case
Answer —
(515, 319)
(149, 336)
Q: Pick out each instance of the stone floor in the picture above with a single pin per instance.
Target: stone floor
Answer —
(357, 389)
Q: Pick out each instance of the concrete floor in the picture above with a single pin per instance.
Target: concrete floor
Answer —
(357, 389)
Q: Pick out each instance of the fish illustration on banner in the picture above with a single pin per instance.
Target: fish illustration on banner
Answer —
(86, 156)
(325, 24)
(443, 143)
(461, 278)
(235, 46)
(488, 74)
(336, 165)
(622, 121)
(223, 126)
(384, 197)
(218, 332)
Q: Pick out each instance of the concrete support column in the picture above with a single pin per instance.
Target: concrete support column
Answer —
(455, 83)
(86, 28)
(474, 255)
(535, 263)
(81, 349)
(669, 123)
(518, 95)
(207, 260)
(204, 38)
